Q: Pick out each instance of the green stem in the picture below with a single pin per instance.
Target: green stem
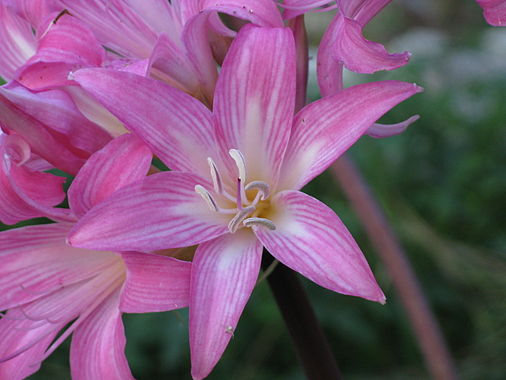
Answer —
(310, 342)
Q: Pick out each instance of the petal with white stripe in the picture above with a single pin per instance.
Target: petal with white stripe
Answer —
(311, 239)
(162, 211)
(325, 129)
(255, 99)
(224, 274)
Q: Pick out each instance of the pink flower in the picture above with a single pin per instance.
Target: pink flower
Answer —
(47, 285)
(235, 182)
(176, 40)
(50, 121)
(173, 42)
(494, 11)
(343, 45)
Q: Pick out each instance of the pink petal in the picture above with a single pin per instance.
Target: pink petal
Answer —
(154, 283)
(362, 10)
(13, 208)
(98, 345)
(38, 136)
(379, 131)
(196, 40)
(118, 25)
(494, 11)
(57, 111)
(124, 160)
(30, 324)
(161, 15)
(95, 112)
(25, 193)
(312, 240)
(34, 11)
(358, 54)
(224, 274)
(254, 100)
(177, 127)
(258, 12)
(163, 211)
(66, 46)
(134, 66)
(18, 42)
(28, 194)
(169, 63)
(28, 339)
(325, 129)
(329, 70)
(295, 8)
(36, 261)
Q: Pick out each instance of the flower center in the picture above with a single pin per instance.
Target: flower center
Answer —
(249, 204)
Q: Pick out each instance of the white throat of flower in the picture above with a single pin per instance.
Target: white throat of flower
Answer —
(246, 209)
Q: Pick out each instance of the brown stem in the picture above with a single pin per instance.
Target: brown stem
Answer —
(424, 324)
(310, 343)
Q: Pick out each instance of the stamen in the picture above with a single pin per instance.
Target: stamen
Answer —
(259, 222)
(215, 174)
(240, 162)
(262, 187)
(207, 197)
(234, 224)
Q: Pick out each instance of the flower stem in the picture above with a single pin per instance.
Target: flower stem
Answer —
(423, 322)
(310, 342)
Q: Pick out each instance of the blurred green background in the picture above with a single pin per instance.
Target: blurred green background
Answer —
(442, 184)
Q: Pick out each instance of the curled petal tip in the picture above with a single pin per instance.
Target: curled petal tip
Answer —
(379, 131)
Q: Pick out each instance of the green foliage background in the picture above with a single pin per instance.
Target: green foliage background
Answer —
(442, 184)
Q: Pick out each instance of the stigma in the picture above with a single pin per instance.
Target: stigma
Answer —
(244, 203)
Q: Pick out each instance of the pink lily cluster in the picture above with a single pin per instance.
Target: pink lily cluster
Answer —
(96, 89)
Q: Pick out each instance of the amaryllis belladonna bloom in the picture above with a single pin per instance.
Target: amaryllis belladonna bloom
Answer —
(47, 285)
(237, 172)
(175, 41)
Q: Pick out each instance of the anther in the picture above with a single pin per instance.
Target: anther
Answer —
(215, 175)
(259, 222)
(234, 224)
(240, 162)
(207, 197)
(262, 187)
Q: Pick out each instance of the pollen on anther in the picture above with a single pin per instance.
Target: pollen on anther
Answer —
(215, 175)
(259, 222)
(207, 197)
